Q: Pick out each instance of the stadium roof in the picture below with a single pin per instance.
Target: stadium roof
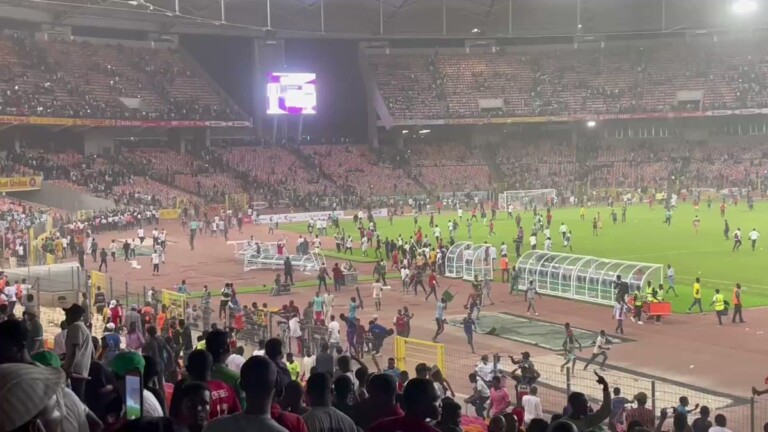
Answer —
(388, 18)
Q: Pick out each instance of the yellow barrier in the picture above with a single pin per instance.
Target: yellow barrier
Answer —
(410, 352)
(169, 213)
(15, 184)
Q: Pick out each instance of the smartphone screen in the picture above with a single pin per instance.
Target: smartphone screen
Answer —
(133, 396)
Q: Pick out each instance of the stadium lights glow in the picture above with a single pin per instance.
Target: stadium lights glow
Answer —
(744, 7)
(475, 30)
(424, 131)
(405, 131)
(591, 124)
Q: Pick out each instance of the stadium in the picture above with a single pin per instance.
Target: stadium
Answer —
(543, 170)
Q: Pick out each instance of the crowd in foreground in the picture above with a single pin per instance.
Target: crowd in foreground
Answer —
(155, 377)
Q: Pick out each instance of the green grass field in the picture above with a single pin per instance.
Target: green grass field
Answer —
(644, 238)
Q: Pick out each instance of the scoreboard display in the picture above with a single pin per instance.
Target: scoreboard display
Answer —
(291, 93)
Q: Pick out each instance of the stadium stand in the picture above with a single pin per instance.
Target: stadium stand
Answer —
(567, 81)
(59, 78)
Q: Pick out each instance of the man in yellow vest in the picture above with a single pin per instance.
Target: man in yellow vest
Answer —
(719, 301)
(737, 304)
(638, 304)
(696, 296)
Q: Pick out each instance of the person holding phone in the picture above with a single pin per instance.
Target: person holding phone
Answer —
(128, 368)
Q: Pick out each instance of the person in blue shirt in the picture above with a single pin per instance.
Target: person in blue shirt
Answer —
(378, 334)
(111, 343)
(683, 407)
(353, 308)
(182, 288)
(392, 369)
(351, 331)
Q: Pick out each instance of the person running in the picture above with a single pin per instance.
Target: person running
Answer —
(753, 236)
(569, 348)
(470, 327)
(103, 255)
(440, 318)
(736, 240)
(696, 296)
(671, 280)
(433, 285)
(718, 300)
(602, 346)
(530, 295)
(619, 313)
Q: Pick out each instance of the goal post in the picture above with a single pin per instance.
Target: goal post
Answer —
(410, 352)
(520, 198)
(175, 302)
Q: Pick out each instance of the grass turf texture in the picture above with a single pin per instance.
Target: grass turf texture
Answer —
(643, 238)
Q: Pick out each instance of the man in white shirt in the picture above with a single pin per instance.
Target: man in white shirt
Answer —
(10, 294)
(720, 422)
(235, 360)
(334, 333)
(294, 328)
(601, 350)
(307, 363)
(480, 395)
(484, 369)
(532, 405)
(563, 230)
(753, 236)
(404, 275)
(140, 235)
(155, 264)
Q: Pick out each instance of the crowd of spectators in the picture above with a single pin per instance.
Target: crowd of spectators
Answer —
(57, 78)
(588, 80)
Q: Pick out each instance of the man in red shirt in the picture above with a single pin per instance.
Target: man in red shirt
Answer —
(224, 401)
(419, 403)
(338, 277)
(400, 323)
(432, 286)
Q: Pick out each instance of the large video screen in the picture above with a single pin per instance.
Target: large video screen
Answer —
(291, 93)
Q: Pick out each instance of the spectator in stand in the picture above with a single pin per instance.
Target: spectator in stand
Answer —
(419, 403)
(579, 405)
(31, 398)
(645, 416)
(380, 404)
(258, 376)
(224, 399)
(322, 416)
(217, 345)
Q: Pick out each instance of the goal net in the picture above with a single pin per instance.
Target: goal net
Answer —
(525, 198)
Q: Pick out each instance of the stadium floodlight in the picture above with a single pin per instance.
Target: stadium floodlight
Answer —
(591, 124)
(405, 131)
(744, 7)
(475, 30)
(424, 131)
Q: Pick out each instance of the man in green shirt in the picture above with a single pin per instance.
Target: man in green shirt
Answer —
(217, 344)
(293, 366)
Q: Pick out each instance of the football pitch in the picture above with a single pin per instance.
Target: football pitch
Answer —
(643, 238)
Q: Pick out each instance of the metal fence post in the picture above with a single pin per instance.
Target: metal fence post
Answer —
(653, 396)
(127, 302)
(72, 275)
(111, 291)
(752, 414)
(78, 282)
(567, 381)
(39, 299)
